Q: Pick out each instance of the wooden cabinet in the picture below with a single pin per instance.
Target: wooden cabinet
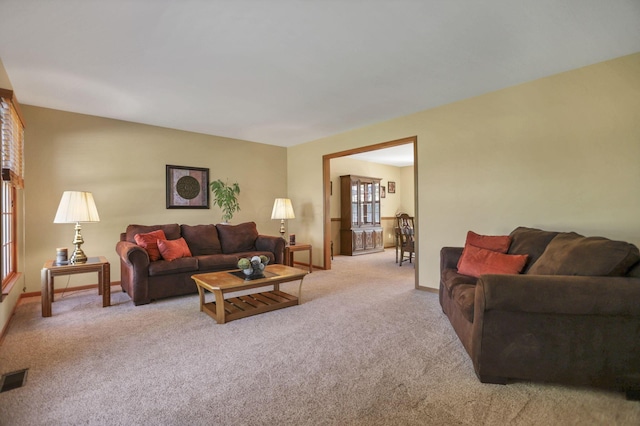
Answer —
(360, 229)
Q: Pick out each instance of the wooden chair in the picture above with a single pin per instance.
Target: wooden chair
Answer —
(405, 233)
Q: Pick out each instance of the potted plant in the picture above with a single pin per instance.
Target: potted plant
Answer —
(225, 196)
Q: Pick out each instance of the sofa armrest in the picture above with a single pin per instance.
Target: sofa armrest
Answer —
(273, 244)
(132, 254)
(449, 257)
(559, 294)
(134, 271)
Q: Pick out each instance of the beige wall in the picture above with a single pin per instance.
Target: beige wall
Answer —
(557, 153)
(123, 164)
(406, 191)
(4, 78)
(389, 206)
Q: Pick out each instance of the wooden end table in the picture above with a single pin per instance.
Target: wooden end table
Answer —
(220, 283)
(290, 249)
(94, 264)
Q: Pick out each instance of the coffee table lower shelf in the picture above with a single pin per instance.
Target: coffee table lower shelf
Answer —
(251, 304)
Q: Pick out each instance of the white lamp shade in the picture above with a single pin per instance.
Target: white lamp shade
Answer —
(76, 206)
(282, 209)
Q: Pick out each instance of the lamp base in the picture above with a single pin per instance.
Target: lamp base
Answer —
(78, 255)
(282, 231)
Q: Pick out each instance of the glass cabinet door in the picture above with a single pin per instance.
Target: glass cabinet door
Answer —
(354, 203)
(376, 203)
(367, 203)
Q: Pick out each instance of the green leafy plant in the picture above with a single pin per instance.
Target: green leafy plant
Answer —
(225, 196)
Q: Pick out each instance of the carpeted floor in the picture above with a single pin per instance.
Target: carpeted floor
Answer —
(365, 348)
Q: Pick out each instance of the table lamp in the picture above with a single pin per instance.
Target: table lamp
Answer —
(282, 209)
(76, 207)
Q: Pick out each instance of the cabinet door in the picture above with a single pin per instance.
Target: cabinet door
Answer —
(358, 241)
(376, 203)
(366, 201)
(379, 240)
(355, 202)
(367, 240)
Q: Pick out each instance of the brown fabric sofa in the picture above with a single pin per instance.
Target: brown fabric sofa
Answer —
(213, 248)
(572, 316)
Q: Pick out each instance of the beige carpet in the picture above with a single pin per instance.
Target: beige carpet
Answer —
(365, 348)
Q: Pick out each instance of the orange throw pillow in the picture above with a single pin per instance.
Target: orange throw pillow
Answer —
(174, 249)
(477, 261)
(499, 243)
(149, 242)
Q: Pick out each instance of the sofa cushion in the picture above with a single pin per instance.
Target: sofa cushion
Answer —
(217, 262)
(452, 278)
(173, 249)
(164, 267)
(149, 242)
(477, 261)
(238, 238)
(634, 271)
(530, 241)
(202, 239)
(171, 231)
(573, 254)
(464, 296)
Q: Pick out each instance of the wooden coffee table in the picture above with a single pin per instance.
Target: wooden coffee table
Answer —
(220, 283)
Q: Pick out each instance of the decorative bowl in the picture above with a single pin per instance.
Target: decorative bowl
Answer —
(253, 267)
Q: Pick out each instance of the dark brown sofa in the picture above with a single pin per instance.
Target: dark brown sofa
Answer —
(213, 248)
(572, 316)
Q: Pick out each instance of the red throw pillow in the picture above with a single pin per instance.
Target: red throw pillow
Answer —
(149, 242)
(477, 261)
(174, 249)
(497, 243)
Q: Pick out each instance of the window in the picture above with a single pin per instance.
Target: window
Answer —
(8, 233)
(12, 137)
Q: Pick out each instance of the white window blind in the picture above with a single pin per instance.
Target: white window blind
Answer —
(12, 134)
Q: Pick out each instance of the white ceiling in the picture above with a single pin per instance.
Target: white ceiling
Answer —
(285, 72)
(399, 156)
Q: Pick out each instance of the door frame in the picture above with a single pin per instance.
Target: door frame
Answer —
(326, 187)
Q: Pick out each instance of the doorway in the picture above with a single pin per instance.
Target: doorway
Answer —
(326, 176)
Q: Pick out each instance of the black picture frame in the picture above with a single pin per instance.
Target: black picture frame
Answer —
(392, 187)
(383, 192)
(187, 187)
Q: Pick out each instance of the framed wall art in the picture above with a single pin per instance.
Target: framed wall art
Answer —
(187, 187)
(383, 192)
(392, 187)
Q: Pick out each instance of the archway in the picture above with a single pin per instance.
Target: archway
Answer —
(326, 184)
